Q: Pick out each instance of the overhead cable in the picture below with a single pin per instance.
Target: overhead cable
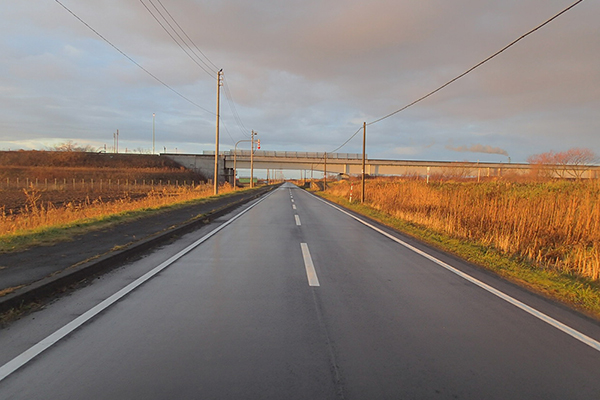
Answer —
(231, 103)
(349, 139)
(211, 74)
(133, 61)
(476, 65)
(199, 55)
(190, 39)
(464, 73)
(227, 130)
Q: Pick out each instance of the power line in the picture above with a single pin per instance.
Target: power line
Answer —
(190, 39)
(463, 74)
(231, 103)
(476, 65)
(173, 37)
(228, 94)
(132, 60)
(227, 130)
(349, 139)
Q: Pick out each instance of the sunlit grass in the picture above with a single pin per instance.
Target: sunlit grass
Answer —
(542, 235)
(38, 224)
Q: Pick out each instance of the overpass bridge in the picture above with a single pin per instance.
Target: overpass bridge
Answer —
(351, 164)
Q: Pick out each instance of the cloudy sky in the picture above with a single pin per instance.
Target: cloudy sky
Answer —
(304, 74)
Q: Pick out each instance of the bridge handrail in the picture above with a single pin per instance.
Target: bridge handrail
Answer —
(290, 154)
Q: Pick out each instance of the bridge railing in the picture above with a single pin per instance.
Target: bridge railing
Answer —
(290, 154)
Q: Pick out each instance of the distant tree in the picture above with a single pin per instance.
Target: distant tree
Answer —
(544, 164)
(571, 163)
(141, 150)
(70, 145)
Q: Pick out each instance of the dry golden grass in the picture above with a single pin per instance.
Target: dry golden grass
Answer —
(36, 215)
(556, 225)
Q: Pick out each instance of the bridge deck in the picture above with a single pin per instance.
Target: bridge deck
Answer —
(351, 164)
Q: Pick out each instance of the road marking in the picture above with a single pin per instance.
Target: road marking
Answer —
(297, 220)
(311, 274)
(294, 206)
(517, 303)
(292, 200)
(52, 339)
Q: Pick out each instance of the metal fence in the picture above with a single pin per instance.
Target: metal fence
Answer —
(86, 184)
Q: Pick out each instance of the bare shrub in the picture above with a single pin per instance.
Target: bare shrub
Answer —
(572, 163)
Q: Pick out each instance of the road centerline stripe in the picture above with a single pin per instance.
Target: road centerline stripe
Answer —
(297, 217)
(311, 274)
(294, 206)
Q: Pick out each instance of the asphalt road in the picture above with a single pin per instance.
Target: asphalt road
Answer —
(296, 300)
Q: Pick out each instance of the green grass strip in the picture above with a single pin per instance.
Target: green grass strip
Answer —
(579, 293)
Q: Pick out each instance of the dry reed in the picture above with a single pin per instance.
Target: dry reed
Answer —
(554, 224)
(35, 215)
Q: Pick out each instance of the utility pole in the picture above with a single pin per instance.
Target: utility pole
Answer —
(234, 165)
(216, 174)
(117, 142)
(362, 193)
(153, 116)
(252, 160)
(325, 173)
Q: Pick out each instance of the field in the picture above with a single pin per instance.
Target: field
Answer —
(39, 190)
(552, 225)
(62, 177)
(84, 183)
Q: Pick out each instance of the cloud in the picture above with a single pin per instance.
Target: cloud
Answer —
(405, 151)
(306, 74)
(478, 148)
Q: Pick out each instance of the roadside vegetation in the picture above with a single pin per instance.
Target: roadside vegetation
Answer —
(38, 223)
(544, 235)
(48, 196)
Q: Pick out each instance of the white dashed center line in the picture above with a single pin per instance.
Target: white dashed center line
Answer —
(313, 280)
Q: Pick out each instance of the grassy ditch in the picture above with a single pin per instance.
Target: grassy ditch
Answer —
(579, 292)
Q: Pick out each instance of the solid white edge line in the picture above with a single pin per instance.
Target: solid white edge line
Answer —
(538, 314)
(311, 274)
(297, 219)
(38, 348)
